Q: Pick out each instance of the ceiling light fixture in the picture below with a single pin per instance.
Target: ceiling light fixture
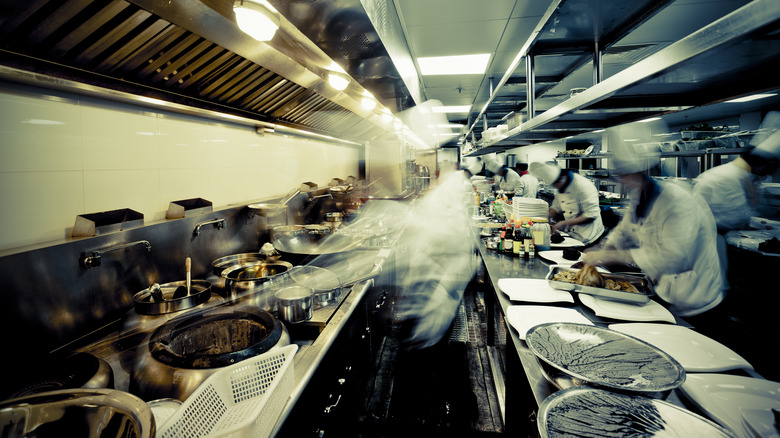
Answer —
(368, 102)
(651, 119)
(751, 97)
(338, 81)
(257, 18)
(454, 65)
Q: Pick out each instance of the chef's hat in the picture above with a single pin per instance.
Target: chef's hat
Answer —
(492, 164)
(768, 140)
(632, 147)
(548, 173)
(629, 158)
(472, 164)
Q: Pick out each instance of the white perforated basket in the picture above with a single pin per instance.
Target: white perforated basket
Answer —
(242, 400)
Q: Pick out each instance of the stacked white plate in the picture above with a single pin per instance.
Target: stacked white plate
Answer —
(650, 311)
(529, 207)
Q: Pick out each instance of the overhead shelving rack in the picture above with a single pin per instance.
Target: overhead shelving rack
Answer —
(734, 56)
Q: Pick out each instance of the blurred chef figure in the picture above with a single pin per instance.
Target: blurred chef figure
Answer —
(507, 179)
(529, 183)
(471, 166)
(667, 232)
(731, 189)
(576, 198)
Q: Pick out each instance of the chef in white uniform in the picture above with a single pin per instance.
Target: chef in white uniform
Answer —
(731, 190)
(507, 179)
(667, 232)
(529, 186)
(576, 198)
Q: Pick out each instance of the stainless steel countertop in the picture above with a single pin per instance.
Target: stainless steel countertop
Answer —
(502, 266)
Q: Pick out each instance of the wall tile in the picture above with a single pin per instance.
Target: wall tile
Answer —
(181, 144)
(138, 190)
(39, 152)
(119, 139)
(38, 206)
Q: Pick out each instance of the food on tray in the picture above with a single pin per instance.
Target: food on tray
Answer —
(588, 276)
(620, 285)
(556, 238)
(571, 254)
(772, 245)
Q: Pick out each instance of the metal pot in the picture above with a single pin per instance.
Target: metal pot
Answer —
(323, 283)
(185, 351)
(286, 232)
(255, 281)
(295, 304)
(145, 304)
(222, 263)
(334, 216)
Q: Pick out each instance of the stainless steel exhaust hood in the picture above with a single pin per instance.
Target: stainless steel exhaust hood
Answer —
(187, 52)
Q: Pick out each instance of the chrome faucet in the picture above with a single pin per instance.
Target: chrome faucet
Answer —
(94, 260)
(220, 223)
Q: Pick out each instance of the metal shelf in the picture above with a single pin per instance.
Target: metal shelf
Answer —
(733, 56)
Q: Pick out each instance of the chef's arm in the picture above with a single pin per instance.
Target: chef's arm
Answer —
(608, 257)
(579, 220)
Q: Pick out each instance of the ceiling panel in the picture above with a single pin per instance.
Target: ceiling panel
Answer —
(455, 39)
(432, 12)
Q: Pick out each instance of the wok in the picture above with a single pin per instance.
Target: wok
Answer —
(299, 249)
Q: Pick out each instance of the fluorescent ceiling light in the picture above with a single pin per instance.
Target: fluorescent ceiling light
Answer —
(751, 97)
(338, 81)
(651, 119)
(454, 65)
(450, 125)
(452, 109)
(257, 18)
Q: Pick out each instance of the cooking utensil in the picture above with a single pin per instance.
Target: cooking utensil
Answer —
(156, 293)
(222, 263)
(299, 249)
(184, 290)
(578, 354)
(98, 413)
(188, 269)
(322, 282)
(255, 281)
(295, 303)
(145, 304)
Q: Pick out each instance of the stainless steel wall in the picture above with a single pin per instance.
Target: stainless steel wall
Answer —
(49, 299)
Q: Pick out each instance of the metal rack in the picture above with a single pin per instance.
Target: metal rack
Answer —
(728, 58)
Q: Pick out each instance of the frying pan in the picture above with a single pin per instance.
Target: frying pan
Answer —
(300, 249)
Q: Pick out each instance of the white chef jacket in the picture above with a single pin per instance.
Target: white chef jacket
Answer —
(675, 245)
(510, 182)
(529, 186)
(724, 188)
(580, 198)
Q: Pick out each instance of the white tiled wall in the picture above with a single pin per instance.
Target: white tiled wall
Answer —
(62, 155)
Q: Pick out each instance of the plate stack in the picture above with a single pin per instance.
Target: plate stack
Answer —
(529, 207)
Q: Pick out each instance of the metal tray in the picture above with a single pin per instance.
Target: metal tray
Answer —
(640, 282)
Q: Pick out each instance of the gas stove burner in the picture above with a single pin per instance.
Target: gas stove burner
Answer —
(81, 370)
(183, 352)
(215, 341)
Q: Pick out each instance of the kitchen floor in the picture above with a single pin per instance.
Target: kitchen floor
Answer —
(447, 389)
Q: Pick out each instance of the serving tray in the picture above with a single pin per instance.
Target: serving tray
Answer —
(640, 282)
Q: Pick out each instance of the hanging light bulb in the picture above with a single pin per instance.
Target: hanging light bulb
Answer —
(257, 18)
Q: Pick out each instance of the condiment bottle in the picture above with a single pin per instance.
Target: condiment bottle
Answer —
(509, 241)
(518, 238)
